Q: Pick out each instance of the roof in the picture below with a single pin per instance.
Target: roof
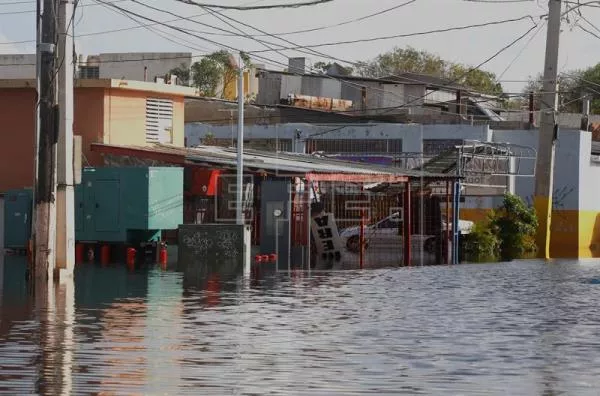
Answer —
(282, 164)
(145, 86)
(341, 78)
(427, 79)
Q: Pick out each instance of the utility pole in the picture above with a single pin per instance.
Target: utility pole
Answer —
(36, 137)
(548, 133)
(45, 187)
(240, 145)
(65, 198)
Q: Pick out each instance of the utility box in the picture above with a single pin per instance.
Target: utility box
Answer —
(128, 205)
(18, 205)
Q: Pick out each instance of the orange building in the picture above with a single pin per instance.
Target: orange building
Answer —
(106, 111)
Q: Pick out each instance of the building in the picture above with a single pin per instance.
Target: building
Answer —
(403, 93)
(16, 66)
(142, 66)
(576, 213)
(106, 111)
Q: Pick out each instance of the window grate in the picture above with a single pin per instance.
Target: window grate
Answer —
(159, 120)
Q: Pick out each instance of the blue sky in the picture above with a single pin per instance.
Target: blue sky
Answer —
(578, 48)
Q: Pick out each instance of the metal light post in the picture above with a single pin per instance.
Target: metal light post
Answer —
(240, 145)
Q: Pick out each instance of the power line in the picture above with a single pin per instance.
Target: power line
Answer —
(252, 8)
(426, 32)
(33, 11)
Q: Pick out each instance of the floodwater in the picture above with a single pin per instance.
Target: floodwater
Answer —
(524, 328)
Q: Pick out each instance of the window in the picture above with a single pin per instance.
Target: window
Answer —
(356, 146)
(159, 120)
(89, 72)
(438, 146)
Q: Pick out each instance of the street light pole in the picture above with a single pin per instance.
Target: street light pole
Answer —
(240, 145)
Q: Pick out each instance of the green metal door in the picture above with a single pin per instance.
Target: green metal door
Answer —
(106, 210)
(79, 209)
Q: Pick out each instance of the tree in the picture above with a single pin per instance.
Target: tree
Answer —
(324, 67)
(182, 72)
(401, 60)
(515, 224)
(569, 87)
(213, 69)
(590, 84)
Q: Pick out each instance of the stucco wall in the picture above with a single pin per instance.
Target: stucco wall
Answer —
(125, 117)
(17, 128)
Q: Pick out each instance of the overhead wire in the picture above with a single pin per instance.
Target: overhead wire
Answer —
(255, 8)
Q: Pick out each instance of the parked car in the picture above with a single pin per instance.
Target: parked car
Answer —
(386, 234)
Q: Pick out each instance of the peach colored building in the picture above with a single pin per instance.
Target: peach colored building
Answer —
(106, 111)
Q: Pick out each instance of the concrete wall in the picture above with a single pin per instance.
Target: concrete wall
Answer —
(17, 66)
(1, 236)
(589, 202)
(130, 66)
(412, 135)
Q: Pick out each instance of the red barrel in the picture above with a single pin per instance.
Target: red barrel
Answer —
(131, 252)
(265, 258)
(105, 254)
(79, 253)
(258, 258)
(162, 255)
(272, 257)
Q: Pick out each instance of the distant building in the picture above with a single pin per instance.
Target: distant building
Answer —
(407, 92)
(17, 66)
(143, 66)
(106, 111)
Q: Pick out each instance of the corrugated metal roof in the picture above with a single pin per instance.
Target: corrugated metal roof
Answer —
(269, 162)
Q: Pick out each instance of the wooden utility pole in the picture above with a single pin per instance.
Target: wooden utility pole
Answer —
(43, 259)
(548, 133)
(65, 195)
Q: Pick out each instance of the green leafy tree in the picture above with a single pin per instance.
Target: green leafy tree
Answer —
(508, 233)
(515, 224)
(214, 68)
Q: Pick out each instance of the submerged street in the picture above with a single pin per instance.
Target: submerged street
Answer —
(519, 328)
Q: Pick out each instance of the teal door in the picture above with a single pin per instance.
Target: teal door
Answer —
(106, 210)
(17, 221)
(79, 210)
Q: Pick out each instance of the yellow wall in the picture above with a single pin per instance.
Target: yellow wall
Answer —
(125, 117)
(230, 86)
(589, 233)
(574, 234)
